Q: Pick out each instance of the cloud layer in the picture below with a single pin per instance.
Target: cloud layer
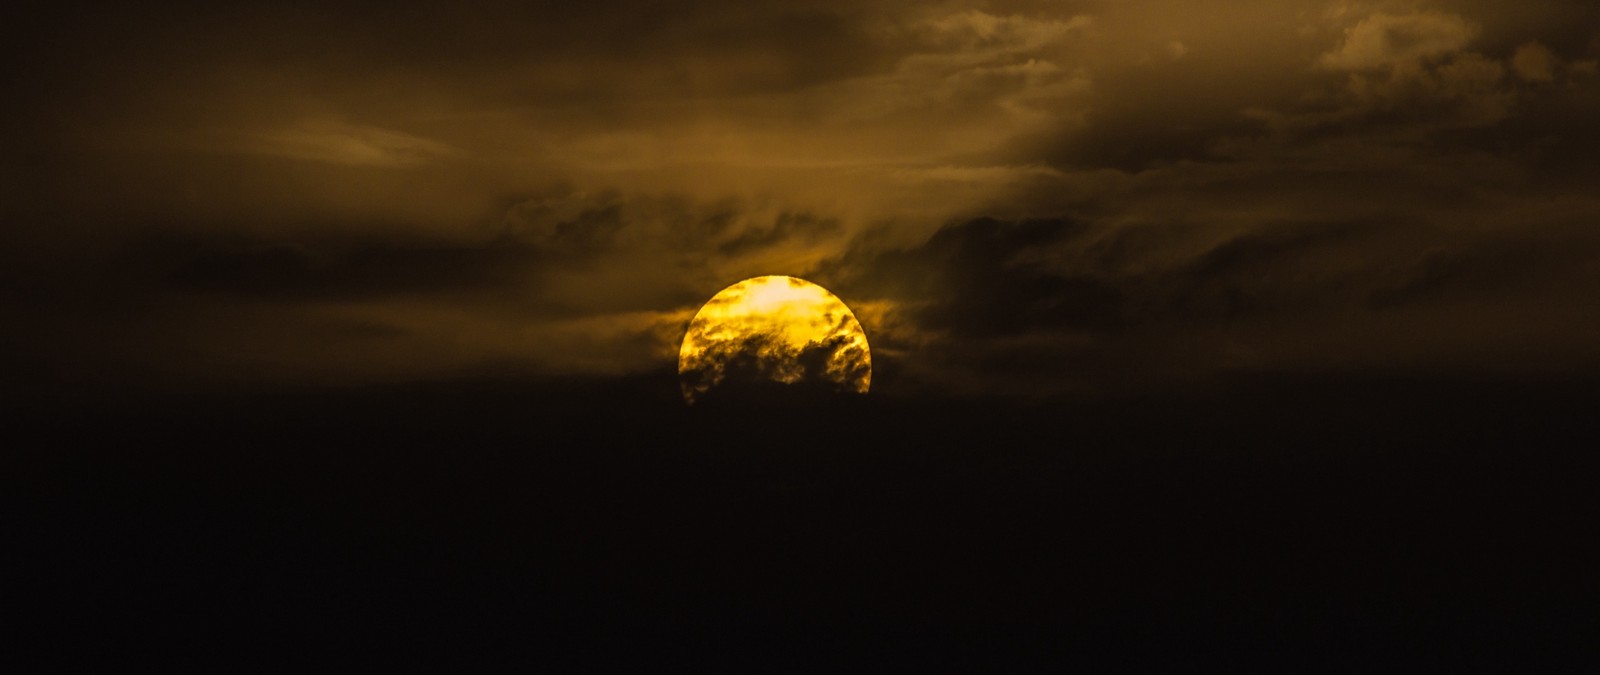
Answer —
(1015, 197)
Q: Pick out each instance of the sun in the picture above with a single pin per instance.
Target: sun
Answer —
(774, 329)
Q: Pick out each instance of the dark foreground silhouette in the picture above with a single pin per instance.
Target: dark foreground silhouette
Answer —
(1293, 526)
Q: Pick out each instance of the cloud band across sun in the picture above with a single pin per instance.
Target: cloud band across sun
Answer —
(774, 329)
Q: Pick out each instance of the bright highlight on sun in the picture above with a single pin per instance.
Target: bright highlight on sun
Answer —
(774, 329)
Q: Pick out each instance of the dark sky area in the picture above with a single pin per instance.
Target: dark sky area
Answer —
(1202, 332)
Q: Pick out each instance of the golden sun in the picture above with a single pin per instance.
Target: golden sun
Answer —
(774, 329)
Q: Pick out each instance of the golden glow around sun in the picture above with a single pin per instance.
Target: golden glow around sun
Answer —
(778, 329)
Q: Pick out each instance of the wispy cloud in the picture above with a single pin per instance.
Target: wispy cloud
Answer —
(347, 144)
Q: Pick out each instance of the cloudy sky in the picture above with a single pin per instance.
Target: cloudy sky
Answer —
(1016, 197)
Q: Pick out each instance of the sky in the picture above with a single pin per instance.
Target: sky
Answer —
(1202, 332)
(1017, 198)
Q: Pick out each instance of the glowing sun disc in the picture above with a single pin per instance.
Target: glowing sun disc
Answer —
(774, 329)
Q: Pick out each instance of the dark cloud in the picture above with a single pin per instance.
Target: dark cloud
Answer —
(1053, 305)
(569, 283)
(486, 35)
(365, 269)
(991, 278)
(581, 226)
(1006, 192)
(768, 366)
(973, 279)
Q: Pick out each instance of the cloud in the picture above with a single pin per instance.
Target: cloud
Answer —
(244, 267)
(975, 35)
(1383, 39)
(1060, 305)
(1466, 91)
(1013, 195)
(354, 145)
(832, 365)
(976, 279)
(580, 223)
(584, 284)
(1535, 62)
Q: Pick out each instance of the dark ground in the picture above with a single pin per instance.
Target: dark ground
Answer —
(1299, 526)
